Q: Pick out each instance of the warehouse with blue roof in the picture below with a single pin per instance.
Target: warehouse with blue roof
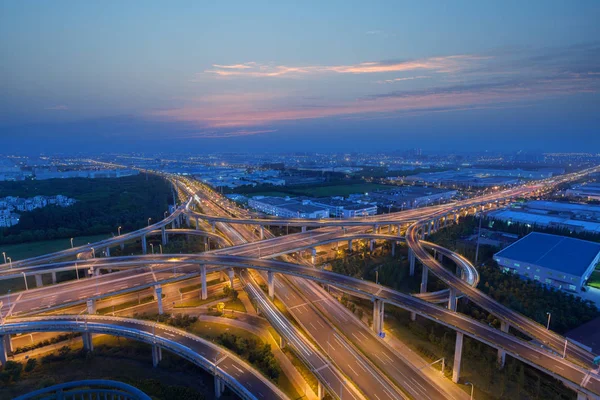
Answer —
(557, 261)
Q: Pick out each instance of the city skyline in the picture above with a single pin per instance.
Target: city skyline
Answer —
(316, 77)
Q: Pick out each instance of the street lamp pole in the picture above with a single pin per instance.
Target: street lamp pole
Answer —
(10, 262)
(548, 324)
(149, 221)
(472, 388)
(119, 231)
(71, 242)
(152, 247)
(160, 247)
(4, 254)
(25, 279)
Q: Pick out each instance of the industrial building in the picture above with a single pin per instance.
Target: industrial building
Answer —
(571, 216)
(340, 208)
(404, 197)
(589, 191)
(287, 207)
(557, 261)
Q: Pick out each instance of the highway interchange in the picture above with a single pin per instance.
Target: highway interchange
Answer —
(327, 322)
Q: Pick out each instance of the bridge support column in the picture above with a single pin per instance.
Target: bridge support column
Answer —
(412, 260)
(144, 245)
(197, 224)
(350, 245)
(313, 256)
(219, 387)
(156, 355)
(582, 396)
(440, 257)
(303, 229)
(428, 228)
(53, 277)
(424, 277)
(231, 276)
(204, 290)
(7, 343)
(88, 345)
(320, 391)
(378, 313)
(163, 232)
(375, 229)
(107, 251)
(262, 232)
(452, 299)
(38, 280)
(413, 316)
(457, 357)
(393, 249)
(371, 245)
(399, 229)
(271, 284)
(214, 227)
(504, 327)
(445, 220)
(158, 297)
(3, 355)
(91, 306)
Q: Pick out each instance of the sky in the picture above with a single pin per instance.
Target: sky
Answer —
(265, 76)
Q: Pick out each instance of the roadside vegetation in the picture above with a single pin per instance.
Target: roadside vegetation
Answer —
(102, 205)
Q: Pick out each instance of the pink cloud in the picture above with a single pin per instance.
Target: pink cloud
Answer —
(446, 64)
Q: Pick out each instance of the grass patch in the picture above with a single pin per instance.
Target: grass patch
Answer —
(594, 280)
(127, 304)
(235, 305)
(199, 302)
(191, 288)
(26, 250)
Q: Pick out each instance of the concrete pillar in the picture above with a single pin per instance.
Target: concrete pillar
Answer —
(271, 284)
(262, 232)
(88, 344)
(91, 306)
(53, 277)
(7, 344)
(457, 357)
(412, 260)
(231, 276)
(214, 227)
(378, 313)
(204, 291)
(393, 249)
(197, 224)
(38, 280)
(582, 396)
(399, 229)
(371, 245)
(445, 220)
(107, 251)
(428, 228)
(350, 245)
(375, 228)
(164, 239)
(320, 391)
(504, 327)
(424, 277)
(158, 297)
(303, 229)
(3, 355)
(313, 256)
(452, 299)
(440, 257)
(413, 316)
(144, 245)
(156, 355)
(218, 387)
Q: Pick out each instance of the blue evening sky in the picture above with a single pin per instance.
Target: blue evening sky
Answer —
(288, 75)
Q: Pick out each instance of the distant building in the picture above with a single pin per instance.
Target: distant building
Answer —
(572, 216)
(287, 208)
(341, 208)
(556, 261)
(589, 191)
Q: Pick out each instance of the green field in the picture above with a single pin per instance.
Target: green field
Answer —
(594, 280)
(26, 250)
(324, 191)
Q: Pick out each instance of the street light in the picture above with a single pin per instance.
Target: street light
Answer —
(160, 247)
(4, 254)
(93, 253)
(71, 242)
(152, 247)
(25, 279)
(472, 388)
(10, 261)
(149, 221)
(119, 231)
(548, 324)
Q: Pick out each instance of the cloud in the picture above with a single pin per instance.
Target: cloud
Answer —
(216, 134)
(408, 78)
(446, 64)
(60, 107)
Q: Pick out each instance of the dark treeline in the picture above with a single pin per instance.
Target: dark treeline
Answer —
(102, 205)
